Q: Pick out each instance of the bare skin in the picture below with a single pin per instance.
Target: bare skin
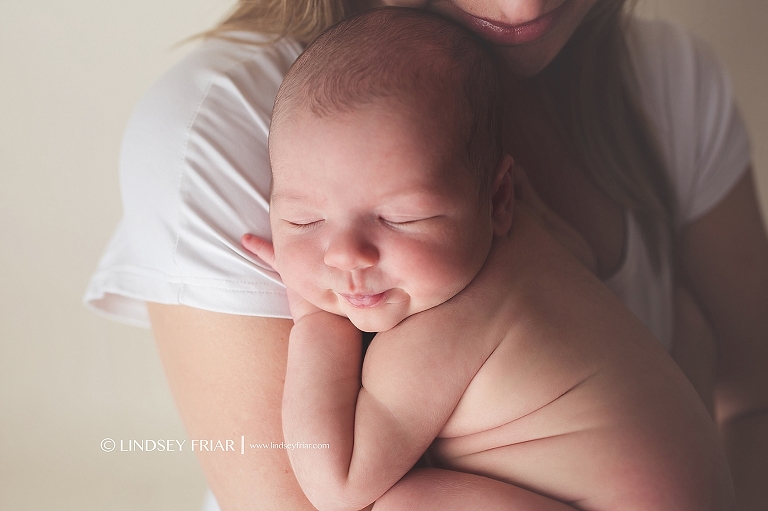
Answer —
(588, 410)
(226, 373)
(208, 355)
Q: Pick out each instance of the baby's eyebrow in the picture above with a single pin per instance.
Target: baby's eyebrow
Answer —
(423, 197)
(419, 196)
(290, 197)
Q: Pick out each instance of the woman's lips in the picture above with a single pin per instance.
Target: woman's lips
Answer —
(500, 33)
(362, 301)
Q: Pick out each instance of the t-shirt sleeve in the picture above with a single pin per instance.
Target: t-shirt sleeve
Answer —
(194, 177)
(689, 99)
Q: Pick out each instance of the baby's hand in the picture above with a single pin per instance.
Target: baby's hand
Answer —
(264, 250)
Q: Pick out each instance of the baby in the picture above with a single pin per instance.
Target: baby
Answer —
(393, 211)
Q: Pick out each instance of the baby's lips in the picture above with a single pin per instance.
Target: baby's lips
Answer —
(363, 301)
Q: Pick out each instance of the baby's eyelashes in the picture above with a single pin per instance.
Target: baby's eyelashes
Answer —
(404, 222)
(396, 222)
(303, 224)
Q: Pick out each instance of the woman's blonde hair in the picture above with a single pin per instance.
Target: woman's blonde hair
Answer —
(589, 93)
(301, 20)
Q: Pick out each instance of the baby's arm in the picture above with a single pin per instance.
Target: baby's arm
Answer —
(434, 489)
(377, 423)
(322, 392)
(376, 431)
(376, 434)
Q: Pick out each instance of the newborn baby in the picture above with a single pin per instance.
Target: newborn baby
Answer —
(393, 211)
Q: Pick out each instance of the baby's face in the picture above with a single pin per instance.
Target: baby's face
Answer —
(372, 218)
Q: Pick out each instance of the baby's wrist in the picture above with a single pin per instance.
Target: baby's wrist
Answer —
(326, 324)
(316, 314)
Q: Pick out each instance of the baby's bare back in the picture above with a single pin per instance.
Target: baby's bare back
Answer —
(578, 401)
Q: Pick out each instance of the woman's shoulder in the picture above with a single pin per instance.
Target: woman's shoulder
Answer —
(264, 61)
(217, 99)
(688, 98)
(194, 176)
(665, 52)
(247, 66)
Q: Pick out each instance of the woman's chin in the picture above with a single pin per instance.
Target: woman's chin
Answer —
(527, 61)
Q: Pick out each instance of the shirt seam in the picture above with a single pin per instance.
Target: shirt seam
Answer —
(174, 279)
(183, 166)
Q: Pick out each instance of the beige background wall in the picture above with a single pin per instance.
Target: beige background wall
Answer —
(70, 73)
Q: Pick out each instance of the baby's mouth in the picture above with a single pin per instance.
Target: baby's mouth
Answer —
(362, 301)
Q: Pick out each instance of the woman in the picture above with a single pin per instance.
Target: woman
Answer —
(637, 152)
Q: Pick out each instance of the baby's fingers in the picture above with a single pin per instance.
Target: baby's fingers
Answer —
(259, 247)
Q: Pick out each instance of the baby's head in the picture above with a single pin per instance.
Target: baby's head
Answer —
(389, 180)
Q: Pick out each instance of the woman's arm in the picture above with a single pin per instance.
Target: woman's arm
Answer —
(226, 373)
(723, 259)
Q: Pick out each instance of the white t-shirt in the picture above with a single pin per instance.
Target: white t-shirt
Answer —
(195, 176)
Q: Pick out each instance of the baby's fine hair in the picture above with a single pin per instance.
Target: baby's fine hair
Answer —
(414, 57)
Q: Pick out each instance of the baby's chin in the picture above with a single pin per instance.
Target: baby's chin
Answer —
(386, 313)
(369, 321)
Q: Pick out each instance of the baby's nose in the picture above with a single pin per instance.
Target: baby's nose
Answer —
(351, 250)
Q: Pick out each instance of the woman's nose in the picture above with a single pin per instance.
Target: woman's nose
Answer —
(350, 250)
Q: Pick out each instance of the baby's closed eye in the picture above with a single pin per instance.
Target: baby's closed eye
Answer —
(303, 224)
(403, 221)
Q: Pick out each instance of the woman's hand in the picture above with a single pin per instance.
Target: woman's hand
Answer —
(556, 226)
(264, 250)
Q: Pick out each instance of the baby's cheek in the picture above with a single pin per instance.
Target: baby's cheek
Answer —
(302, 271)
(292, 262)
(451, 273)
(441, 277)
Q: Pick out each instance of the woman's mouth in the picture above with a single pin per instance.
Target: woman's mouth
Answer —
(504, 34)
(362, 301)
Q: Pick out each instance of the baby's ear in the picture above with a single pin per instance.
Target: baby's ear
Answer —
(503, 196)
